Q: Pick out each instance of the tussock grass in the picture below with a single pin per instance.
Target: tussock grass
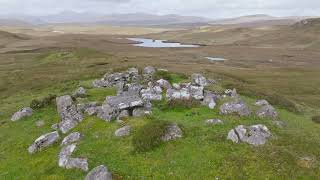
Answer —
(44, 102)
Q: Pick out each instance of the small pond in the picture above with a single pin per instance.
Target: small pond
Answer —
(215, 59)
(142, 42)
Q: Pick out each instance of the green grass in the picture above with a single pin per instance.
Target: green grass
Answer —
(171, 77)
(202, 146)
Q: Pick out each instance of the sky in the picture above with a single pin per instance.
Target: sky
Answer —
(206, 8)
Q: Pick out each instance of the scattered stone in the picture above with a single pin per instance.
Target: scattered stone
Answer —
(164, 84)
(183, 93)
(142, 111)
(44, 141)
(55, 126)
(214, 121)
(99, 173)
(67, 162)
(24, 112)
(238, 106)
(255, 135)
(84, 106)
(261, 102)
(80, 92)
(173, 132)
(267, 111)
(71, 138)
(124, 131)
(196, 92)
(92, 111)
(198, 80)
(176, 86)
(40, 123)
(69, 114)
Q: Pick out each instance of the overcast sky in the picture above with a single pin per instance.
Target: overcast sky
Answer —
(207, 8)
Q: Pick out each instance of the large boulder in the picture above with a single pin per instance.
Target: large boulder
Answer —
(198, 80)
(238, 107)
(24, 112)
(173, 132)
(99, 173)
(44, 141)
(71, 138)
(69, 114)
(183, 93)
(80, 92)
(124, 131)
(196, 92)
(124, 101)
(107, 112)
(267, 111)
(67, 162)
(255, 135)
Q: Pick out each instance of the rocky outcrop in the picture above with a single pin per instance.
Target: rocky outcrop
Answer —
(124, 131)
(182, 93)
(71, 138)
(255, 135)
(44, 141)
(235, 107)
(196, 92)
(99, 173)
(24, 112)
(69, 114)
(173, 132)
(152, 93)
(107, 112)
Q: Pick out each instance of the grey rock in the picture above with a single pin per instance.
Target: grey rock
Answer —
(107, 112)
(198, 80)
(133, 71)
(142, 111)
(232, 93)
(152, 93)
(124, 101)
(261, 102)
(100, 83)
(173, 132)
(196, 92)
(255, 135)
(69, 114)
(67, 162)
(80, 92)
(214, 121)
(238, 106)
(164, 84)
(71, 138)
(210, 100)
(267, 111)
(24, 112)
(77, 163)
(55, 126)
(40, 123)
(44, 141)
(149, 70)
(176, 86)
(99, 173)
(183, 93)
(134, 88)
(92, 111)
(84, 106)
(65, 154)
(124, 131)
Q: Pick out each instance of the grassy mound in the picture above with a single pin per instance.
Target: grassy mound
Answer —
(149, 136)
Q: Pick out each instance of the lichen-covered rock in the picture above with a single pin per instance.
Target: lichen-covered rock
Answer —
(210, 100)
(267, 111)
(164, 84)
(69, 114)
(107, 112)
(238, 106)
(92, 111)
(183, 93)
(214, 121)
(67, 162)
(44, 141)
(173, 132)
(71, 138)
(99, 173)
(65, 154)
(124, 131)
(152, 93)
(231, 92)
(198, 80)
(24, 112)
(134, 88)
(80, 92)
(77, 163)
(196, 92)
(124, 101)
(255, 135)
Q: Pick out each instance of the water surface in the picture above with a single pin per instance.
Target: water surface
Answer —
(142, 42)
